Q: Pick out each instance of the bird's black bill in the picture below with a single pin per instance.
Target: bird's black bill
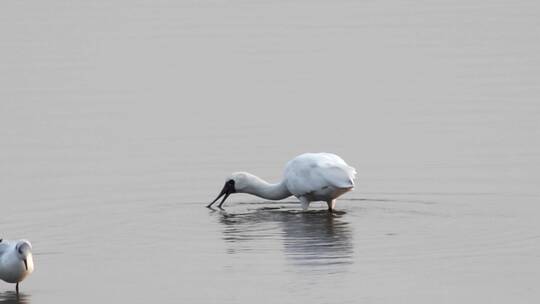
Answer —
(223, 192)
(25, 264)
(226, 191)
(224, 198)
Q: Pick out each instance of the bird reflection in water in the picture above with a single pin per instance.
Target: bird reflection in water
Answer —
(12, 297)
(318, 239)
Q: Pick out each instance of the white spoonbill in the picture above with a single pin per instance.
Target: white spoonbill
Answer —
(15, 261)
(310, 177)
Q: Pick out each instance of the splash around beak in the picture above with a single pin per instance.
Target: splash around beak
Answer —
(226, 191)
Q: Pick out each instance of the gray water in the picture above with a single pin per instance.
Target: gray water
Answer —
(119, 121)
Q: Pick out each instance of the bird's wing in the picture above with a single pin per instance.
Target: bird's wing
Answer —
(311, 172)
(338, 176)
(335, 171)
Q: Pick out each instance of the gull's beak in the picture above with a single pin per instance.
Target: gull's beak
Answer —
(226, 191)
(25, 264)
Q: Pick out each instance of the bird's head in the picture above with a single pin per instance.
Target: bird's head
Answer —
(235, 183)
(24, 252)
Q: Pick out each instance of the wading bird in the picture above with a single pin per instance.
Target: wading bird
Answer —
(309, 177)
(15, 261)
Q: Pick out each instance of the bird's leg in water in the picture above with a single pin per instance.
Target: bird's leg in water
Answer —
(17, 287)
(304, 202)
(331, 205)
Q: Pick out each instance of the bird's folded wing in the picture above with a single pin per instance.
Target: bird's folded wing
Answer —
(305, 179)
(338, 176)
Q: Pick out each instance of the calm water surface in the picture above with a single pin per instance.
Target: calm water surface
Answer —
(119, 121)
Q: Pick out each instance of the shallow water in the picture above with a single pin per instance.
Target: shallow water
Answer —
(119, 122)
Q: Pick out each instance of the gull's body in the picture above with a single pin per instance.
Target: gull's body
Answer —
(309, 177)
(16, 261)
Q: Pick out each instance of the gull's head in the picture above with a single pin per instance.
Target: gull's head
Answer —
(24, 252)
(234, 183)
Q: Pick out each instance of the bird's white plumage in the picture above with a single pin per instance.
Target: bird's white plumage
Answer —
(309, 177)
(12, 260)
(312, 172)
(318, 176)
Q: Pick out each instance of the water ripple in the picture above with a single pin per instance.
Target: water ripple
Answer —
(11, 297)
(313, 238)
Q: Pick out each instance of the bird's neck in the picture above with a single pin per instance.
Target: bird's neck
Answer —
(266, 190)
